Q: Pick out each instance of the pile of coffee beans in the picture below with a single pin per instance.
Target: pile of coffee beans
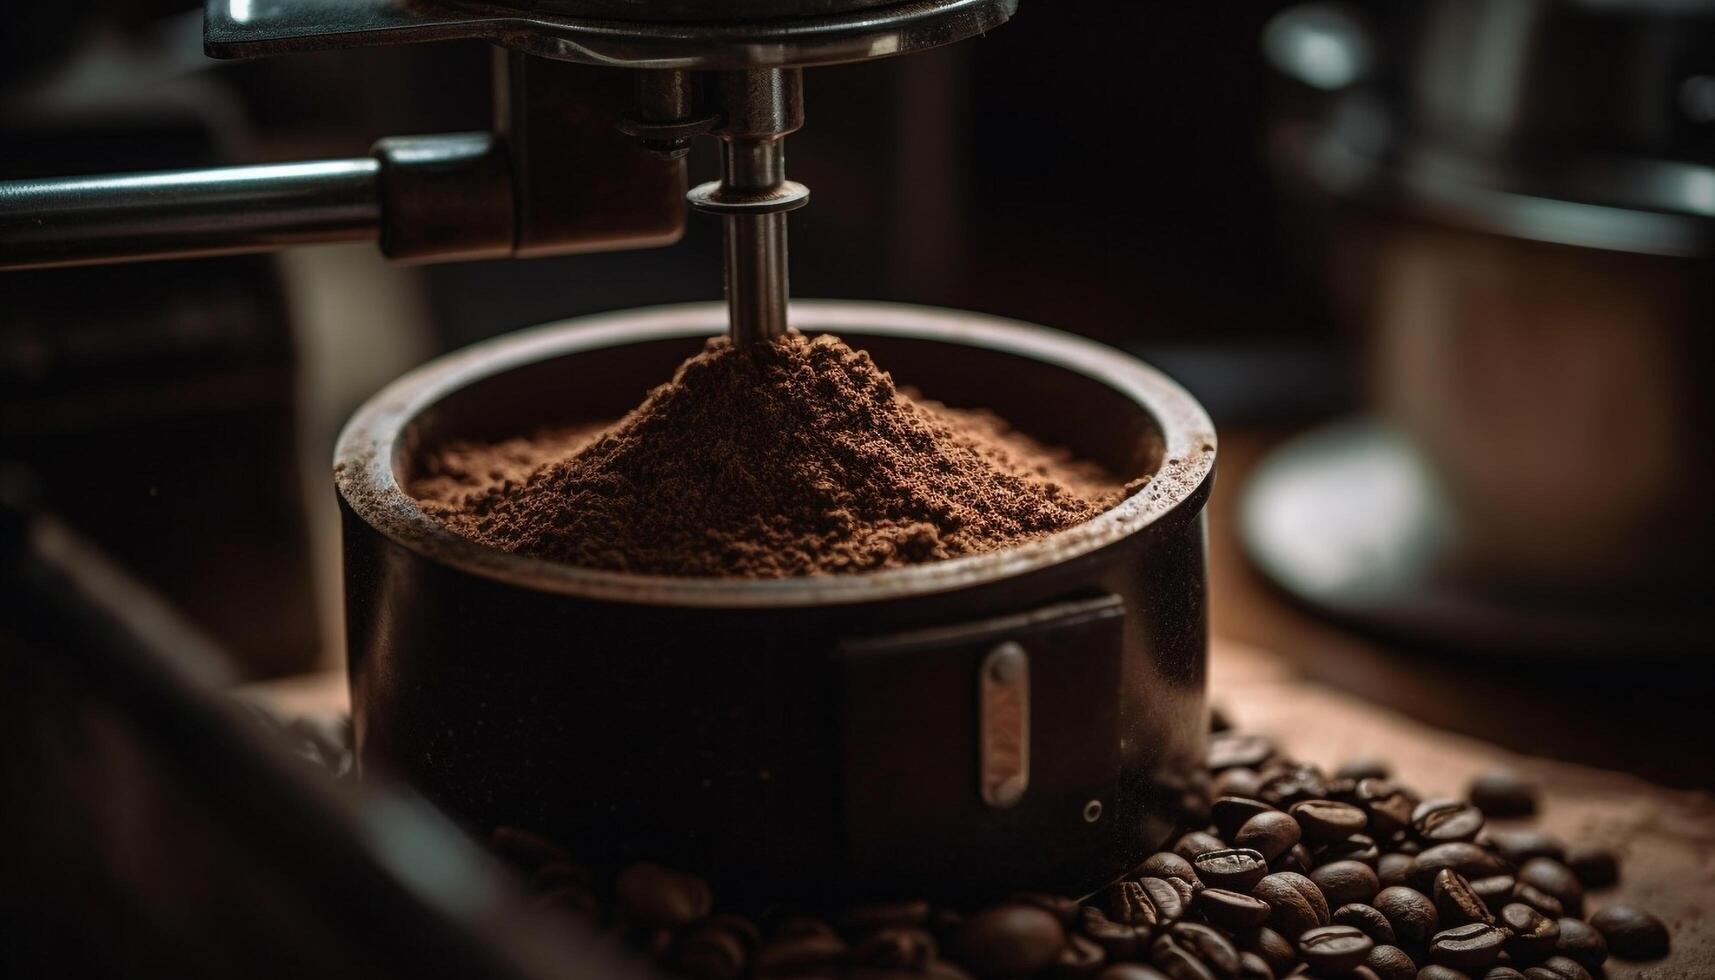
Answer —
(1290, 871)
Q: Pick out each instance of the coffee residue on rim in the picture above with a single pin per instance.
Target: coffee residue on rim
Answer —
(795, 457)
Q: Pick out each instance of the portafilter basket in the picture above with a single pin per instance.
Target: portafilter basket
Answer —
(1030, 716)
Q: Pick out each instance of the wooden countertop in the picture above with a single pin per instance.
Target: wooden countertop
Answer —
(1651, 719)
(1666, 837)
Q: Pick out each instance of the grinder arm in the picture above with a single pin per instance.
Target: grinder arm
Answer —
(554, 177)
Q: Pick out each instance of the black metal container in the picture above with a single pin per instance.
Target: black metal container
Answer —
(1028, 716)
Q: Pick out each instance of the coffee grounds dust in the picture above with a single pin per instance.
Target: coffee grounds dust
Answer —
(798, 457)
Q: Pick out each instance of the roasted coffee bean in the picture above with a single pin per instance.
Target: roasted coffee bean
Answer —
(1457, 903)
(1391, 963)
(1165, 864)
(1345, 882)
(1232, 910)
(1298, 859)
(1404, 844)
(1292, 784)
(1632, 933)
(885, 915)
(1197, 842)
(1558, 968)
(1355, 847)
(1131, 971)
(1503, 973)
(1580, 941)
(1228, 750)
(1121, 941)
(1596, 867)
(1008, 940)
(1211, 946)
(526, 848)
(1436, 971)
(1472, 946)
(1297, 903)
(1254, 967)
(1367, 767)
(1147, 902)
(1521, 844)
(1336, 949)
(1534, 935)
(1229, 813)
(1271, 834)
(1343, 790)
(1062, 908)
(1500, 793)
(1234, 868)
(1538, 899)
(1496, 891)
(1388, 805)
(1274, 949)
(1444, 821)
(1411, 913)
(1325, 821)
(1129, 904)
(1081, 958)
(792, 955)
(1187, 887)
(1469, 860)
(1395, 869)
(1549, 875)
(895, 949)
(1241, 782)
(712, 952)
(1366, 917)
(1178, 960)
(650, 895)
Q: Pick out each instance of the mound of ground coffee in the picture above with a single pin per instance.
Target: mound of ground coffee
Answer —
(797, 457)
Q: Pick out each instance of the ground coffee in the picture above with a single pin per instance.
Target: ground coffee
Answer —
(796, 457)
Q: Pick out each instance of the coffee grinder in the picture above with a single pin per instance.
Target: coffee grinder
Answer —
(1028, 716)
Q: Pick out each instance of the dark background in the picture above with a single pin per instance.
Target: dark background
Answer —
(1096, 166)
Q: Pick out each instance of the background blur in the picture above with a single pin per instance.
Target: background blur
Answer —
(1440, 271)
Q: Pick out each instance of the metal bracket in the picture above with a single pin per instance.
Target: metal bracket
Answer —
(988, 749)
(1003, 725)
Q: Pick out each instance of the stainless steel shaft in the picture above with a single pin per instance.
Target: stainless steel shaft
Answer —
(758, 108)
(757, 282)
(104, 218)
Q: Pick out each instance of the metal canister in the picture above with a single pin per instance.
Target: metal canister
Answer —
(1033, 715)
(1513, 206)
